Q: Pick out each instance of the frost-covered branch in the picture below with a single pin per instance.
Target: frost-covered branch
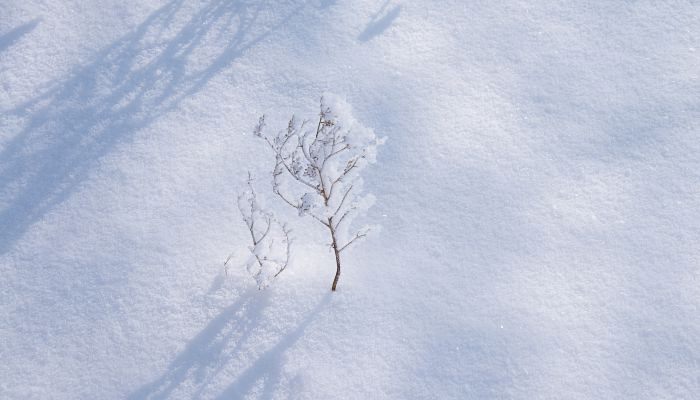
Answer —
(358, 235)
(317, 170)
(270, 249)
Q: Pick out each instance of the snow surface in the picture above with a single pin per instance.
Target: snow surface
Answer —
(539, 194)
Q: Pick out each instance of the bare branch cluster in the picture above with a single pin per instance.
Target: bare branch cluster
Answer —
(270, 249)
(316, 172)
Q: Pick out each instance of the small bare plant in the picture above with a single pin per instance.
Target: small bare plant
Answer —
(270, 251)
(317, 171)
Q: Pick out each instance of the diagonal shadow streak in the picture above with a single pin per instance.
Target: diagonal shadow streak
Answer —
(380, 22)
(267, 368)
(235, 322)
(13, 36)
(130, 84)
(207, 354)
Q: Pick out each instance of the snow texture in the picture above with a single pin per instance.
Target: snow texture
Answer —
(539, 194)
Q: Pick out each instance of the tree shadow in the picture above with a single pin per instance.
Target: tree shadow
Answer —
(11, 37)
(206, 349)
(267, 368)
(140, 77)
(222, 341)
(380, 21)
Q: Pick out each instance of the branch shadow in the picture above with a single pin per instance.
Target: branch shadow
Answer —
(128, 85)
(206, 348)
(268, 367)
(219, 343)
(14, 35)
(380, 21)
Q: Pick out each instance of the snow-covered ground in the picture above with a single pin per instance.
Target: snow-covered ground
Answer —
(539, 194)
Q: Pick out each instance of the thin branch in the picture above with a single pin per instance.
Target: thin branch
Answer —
(345, 196)
(319, 220)
(230, 256)
(340, 220)
(304, 149)
(281, 159)
(358, 235)
(297, 178)
(267, 230)
(278, 192)
(333, 153)
(320, 122)
(286, 231)
(345, 173)
(346, 147)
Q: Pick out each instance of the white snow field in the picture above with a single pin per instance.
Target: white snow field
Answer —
(539, 194)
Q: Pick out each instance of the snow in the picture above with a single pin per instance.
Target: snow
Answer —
(539, 196)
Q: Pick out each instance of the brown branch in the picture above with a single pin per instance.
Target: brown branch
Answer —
(345, 173)
(278, 192)
(281, 159)
(337, 224)
(342, 201)
(286, 231)
(358, 235)
(267, 230)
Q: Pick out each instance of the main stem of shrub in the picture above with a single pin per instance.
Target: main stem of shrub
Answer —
(337, 254)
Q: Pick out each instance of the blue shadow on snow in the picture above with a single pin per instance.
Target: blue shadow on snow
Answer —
(222, 341)
(14, 35)
(128, 85)
(380, 22)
